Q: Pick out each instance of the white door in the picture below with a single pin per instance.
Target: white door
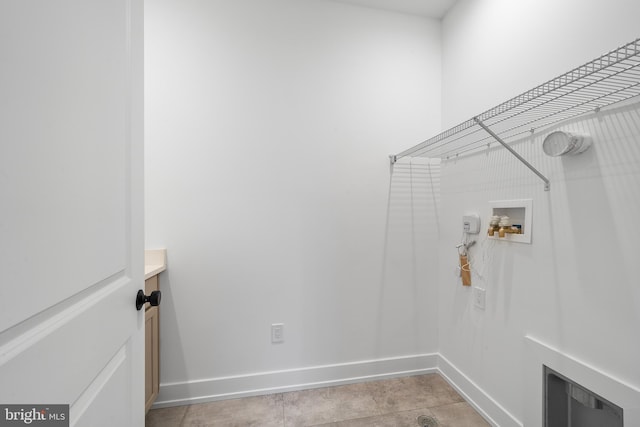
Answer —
(71, 208)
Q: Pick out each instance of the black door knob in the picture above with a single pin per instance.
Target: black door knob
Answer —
(142, 299)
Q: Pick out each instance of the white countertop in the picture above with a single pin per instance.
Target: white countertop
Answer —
(155, 262)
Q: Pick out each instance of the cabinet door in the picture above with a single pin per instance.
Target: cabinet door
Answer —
(152, 350)
(150, 285)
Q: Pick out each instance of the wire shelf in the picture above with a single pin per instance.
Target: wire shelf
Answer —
(611, 78)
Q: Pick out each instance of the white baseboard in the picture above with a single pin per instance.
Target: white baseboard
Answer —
(208, 390)
(491, 410)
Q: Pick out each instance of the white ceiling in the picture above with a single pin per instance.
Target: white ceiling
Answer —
(429, 8)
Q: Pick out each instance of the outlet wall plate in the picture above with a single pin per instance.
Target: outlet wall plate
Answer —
(277, 333)
(479, 299)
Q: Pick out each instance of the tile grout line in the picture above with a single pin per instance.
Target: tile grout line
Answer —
(387, 414)
(184, 417)
(448, 404)
(284, 422)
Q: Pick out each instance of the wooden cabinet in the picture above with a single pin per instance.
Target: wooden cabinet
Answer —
(152, 346)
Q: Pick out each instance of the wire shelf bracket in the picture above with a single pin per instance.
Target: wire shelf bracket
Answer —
(613, 77)
(547, 184)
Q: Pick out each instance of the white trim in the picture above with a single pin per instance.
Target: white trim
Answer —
(494, 413)
(207, 390)
(616, 390)
(221, 388)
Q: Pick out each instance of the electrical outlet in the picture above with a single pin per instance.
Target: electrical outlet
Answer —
(479, 298)
(277, 333)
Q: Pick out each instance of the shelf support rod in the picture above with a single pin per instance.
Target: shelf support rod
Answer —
(547, 185)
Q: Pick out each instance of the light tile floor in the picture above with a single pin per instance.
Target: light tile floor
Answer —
(396, 402)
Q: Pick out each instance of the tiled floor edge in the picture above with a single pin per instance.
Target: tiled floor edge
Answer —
(482, 402)
(208, 390)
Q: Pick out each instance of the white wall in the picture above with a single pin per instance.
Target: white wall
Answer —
(575, 287)
(494, 50)
(268, 125)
